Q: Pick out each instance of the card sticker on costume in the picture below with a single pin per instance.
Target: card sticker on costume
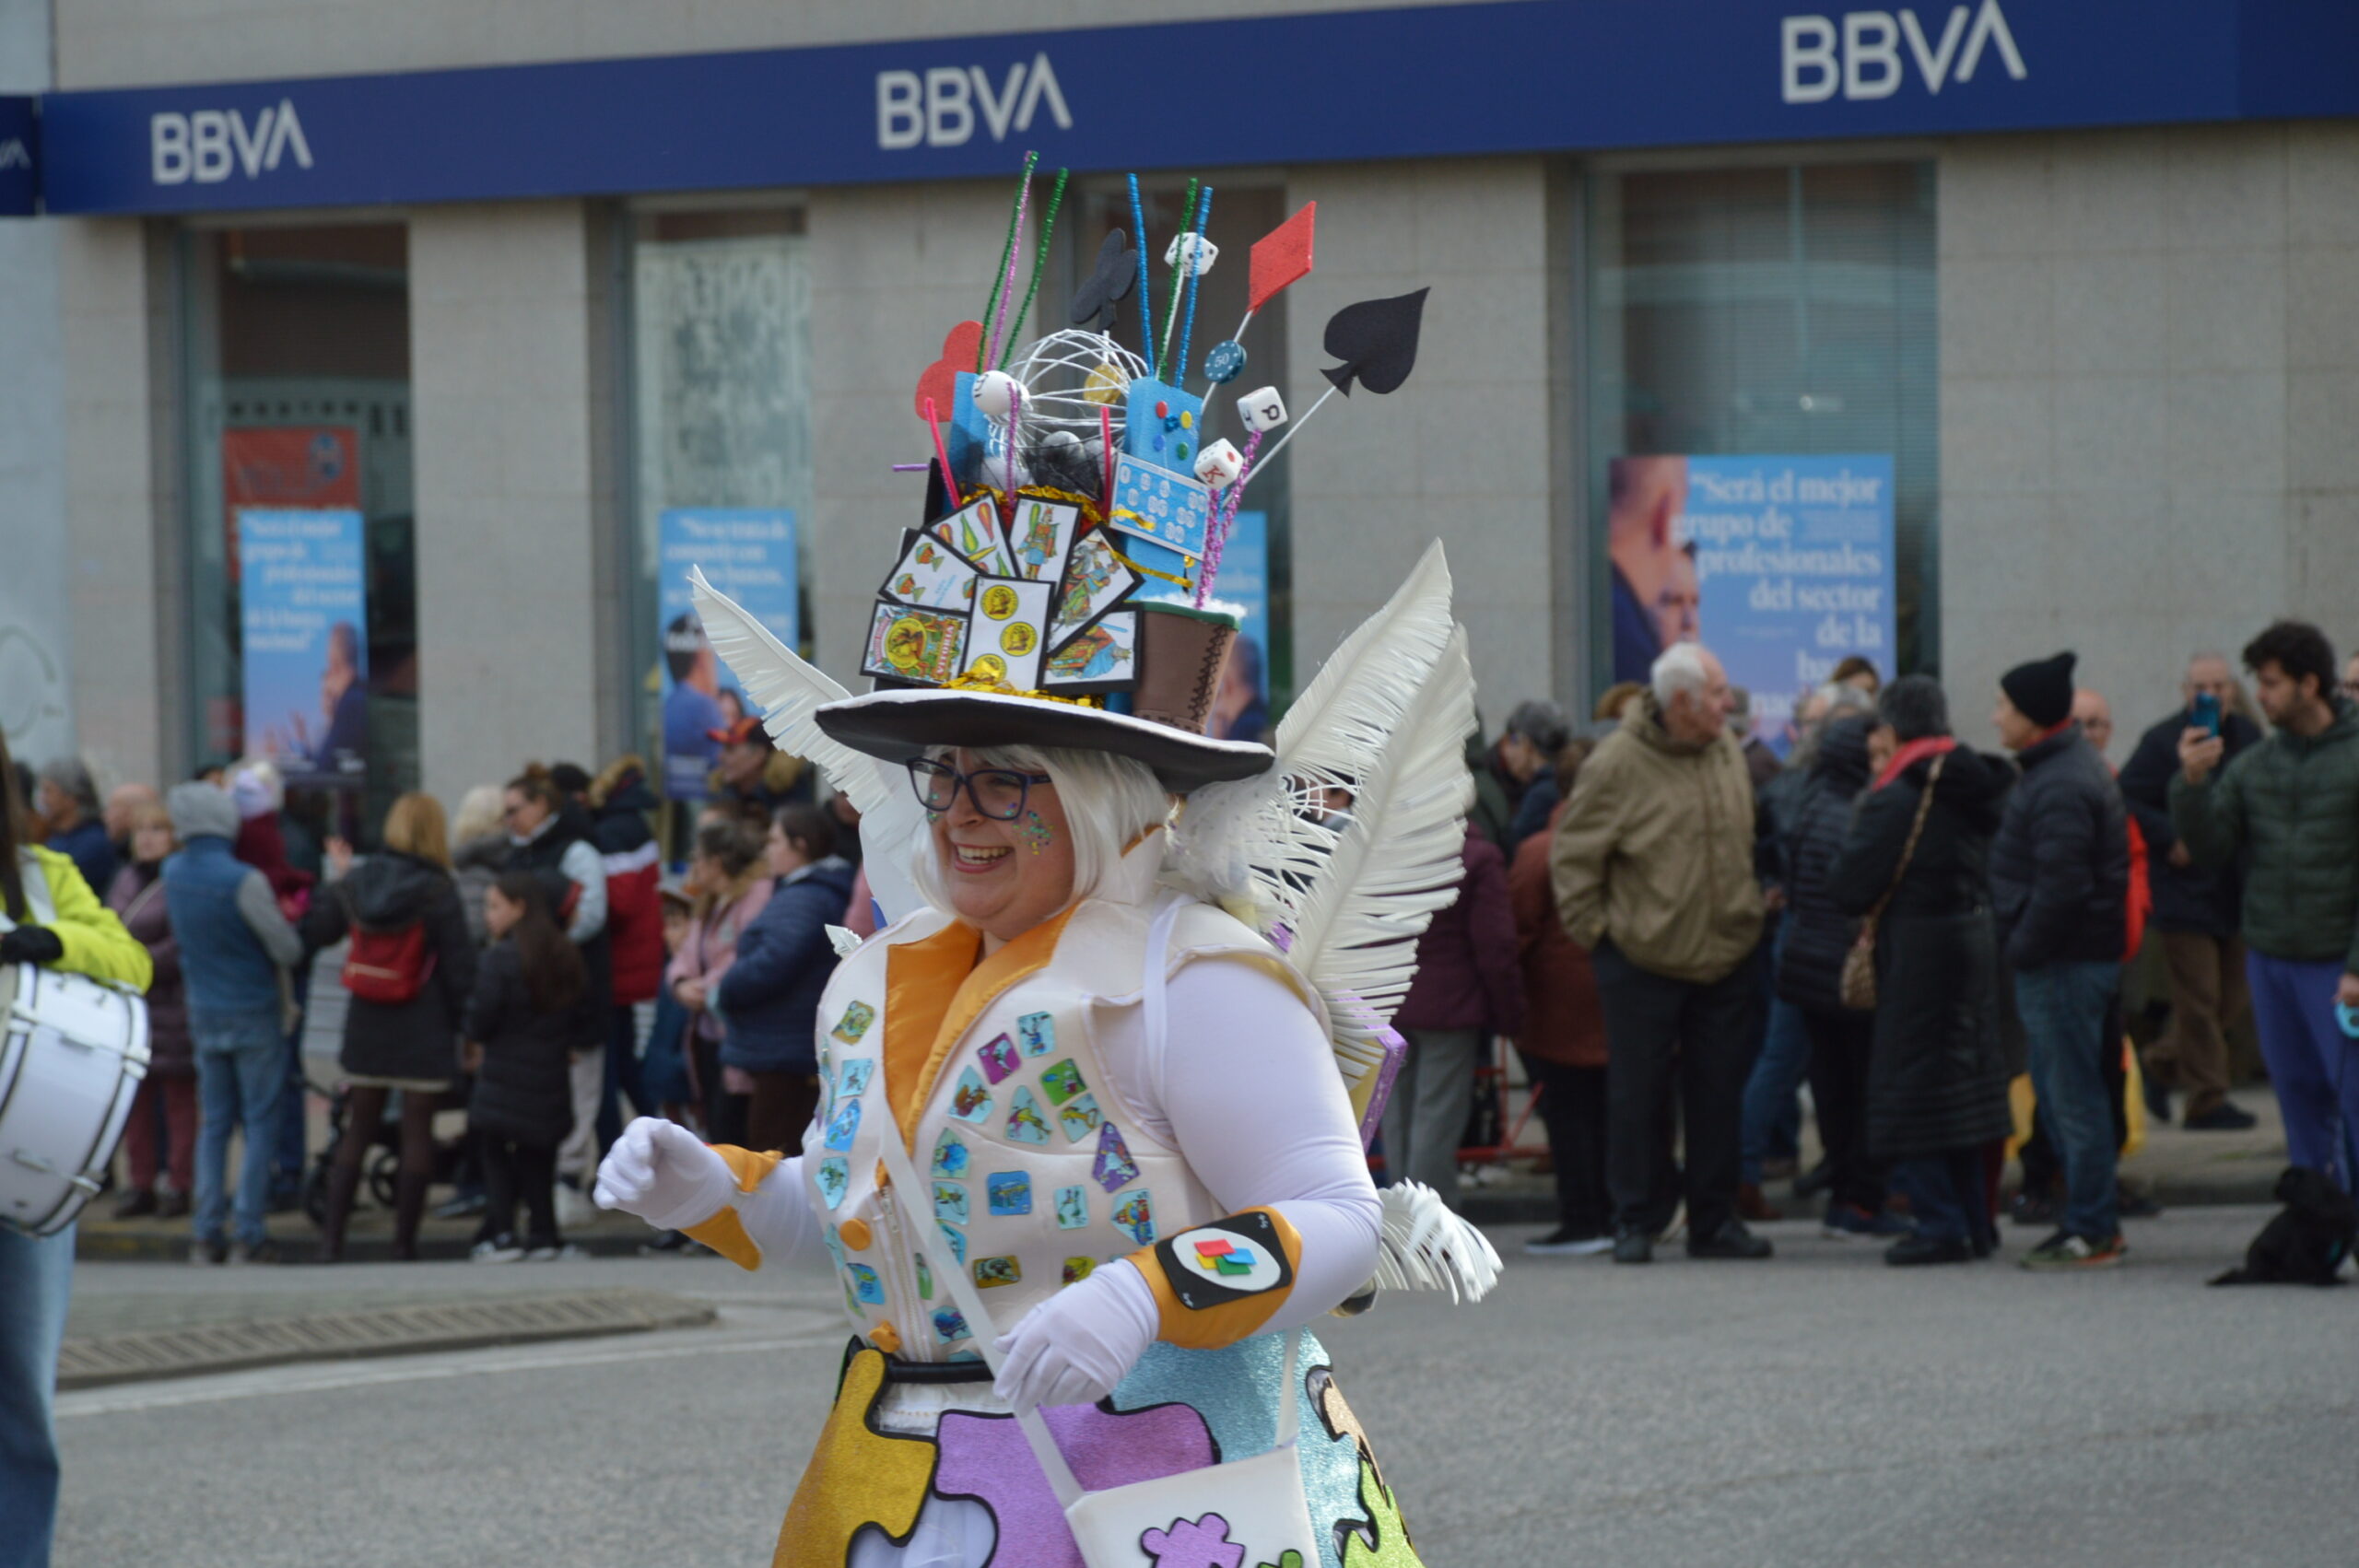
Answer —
(1113, 1167)
(950, 1157)
(925, 1277)
(974, 532)
(956, 1240)
(1010, 635)
(1010, 1192)
(844, 1125)
(948, 1327)
(834, 1245)
(1025, 1123)
(854, 1023)
(1102, 657)
(992, 1271)
(970, 1101)
(950, 1203)
(866, 1285)
(1041, 535)
(835, 1180)
(1135, 1217)
(1061, 1082)
(1163, 424)
(909, 644)
(1157, 504)
(1096, 579)
(999, 1057)
(930, 574)
(1072, 1207)
(1078, 1118)
(1213, 1265)
(852, 1081)
(1039, 1033)
(1079, 1269)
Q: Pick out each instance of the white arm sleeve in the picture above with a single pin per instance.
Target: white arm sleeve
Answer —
(1247, 1089)
(778, 1219)
(586, 868)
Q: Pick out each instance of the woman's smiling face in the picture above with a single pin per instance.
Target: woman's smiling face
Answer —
(1003, 877)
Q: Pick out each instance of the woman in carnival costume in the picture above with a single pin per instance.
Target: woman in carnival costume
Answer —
(1090, 1160)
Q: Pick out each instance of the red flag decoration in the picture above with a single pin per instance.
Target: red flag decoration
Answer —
(1282, 255)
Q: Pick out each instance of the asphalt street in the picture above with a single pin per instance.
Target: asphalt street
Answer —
(1817, 1410)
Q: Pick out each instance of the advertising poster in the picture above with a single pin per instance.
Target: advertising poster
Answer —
(748, 554)
(1782, 565)
(303, 618)
(1241, 711)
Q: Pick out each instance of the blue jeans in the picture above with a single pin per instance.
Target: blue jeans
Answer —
(2064, 1008)
(240, 1079)
(36, 1274)
(2311, 1061)
(1772, 1116)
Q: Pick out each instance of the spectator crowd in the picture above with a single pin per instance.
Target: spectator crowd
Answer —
(524, 959)
(1937, 937)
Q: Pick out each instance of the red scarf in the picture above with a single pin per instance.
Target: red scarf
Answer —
(1910, 755)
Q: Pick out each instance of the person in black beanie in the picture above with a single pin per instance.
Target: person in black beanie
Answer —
(2060, 883)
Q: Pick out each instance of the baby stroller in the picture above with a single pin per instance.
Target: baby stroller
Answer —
(379, 1159)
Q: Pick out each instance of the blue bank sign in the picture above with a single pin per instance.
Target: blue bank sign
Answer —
(1525, 75)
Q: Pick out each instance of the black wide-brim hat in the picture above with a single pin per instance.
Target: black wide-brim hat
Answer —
(896, 725)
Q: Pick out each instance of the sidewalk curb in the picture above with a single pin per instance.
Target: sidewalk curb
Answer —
(97, 1360)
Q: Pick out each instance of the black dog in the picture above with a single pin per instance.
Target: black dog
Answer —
(2307, 1241)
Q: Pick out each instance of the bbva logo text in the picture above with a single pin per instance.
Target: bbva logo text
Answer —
(14, 153)
(1863, 60)
(210, 143)
(938, 109)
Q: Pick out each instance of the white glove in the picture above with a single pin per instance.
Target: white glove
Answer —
(661, 1172)
(1075, 1347)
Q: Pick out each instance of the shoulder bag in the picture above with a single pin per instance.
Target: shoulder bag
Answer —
(1858, 985)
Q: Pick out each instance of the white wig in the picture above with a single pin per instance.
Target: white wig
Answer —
(1679, 667)
(1109, 801)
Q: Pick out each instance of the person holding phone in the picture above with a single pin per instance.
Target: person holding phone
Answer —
(2287, 810)
(2194, 915)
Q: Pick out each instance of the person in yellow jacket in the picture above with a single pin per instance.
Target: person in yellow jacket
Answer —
(48, 916)
(1653, 863)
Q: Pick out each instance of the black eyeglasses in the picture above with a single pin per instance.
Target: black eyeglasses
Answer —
(998, 792)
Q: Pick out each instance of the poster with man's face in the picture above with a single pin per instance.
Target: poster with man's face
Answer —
(1782, 565)
(748, 553)
(302, 604)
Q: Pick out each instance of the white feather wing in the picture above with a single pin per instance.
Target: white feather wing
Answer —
(788, 691)
(1358, 926)
(1261, 841)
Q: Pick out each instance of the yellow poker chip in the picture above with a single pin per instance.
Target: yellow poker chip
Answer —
(1106, 384)
(1019, 639)
(999, 602)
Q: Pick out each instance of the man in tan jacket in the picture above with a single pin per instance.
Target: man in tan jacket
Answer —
(1654, 874)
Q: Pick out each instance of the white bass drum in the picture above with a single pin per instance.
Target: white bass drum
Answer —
(72, 1057)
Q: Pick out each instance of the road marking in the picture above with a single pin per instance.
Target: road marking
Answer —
(321, 1378)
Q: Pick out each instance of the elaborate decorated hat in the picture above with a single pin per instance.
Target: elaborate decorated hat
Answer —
(1058, 587)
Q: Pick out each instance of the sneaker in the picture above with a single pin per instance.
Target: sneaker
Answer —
(1564, 1243)
(208, 1254)
(501, 1249)
(2225, 1117)
(563, 1252)
(134, 1205)
(1731, 1240)
(1845, 1221)
(263, 1252)
(1918, 1251)
(2064, 1250)
(1634, 1246)
(1751, 1205)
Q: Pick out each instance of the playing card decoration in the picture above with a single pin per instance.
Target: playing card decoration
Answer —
(1109, 284)
(1377, 341)
(1280, 256)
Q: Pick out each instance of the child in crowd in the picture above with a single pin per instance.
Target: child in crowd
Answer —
(531, 1010)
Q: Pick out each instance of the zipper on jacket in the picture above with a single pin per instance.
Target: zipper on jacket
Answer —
(901, 1268)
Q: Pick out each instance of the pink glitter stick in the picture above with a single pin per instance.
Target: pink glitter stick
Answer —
(1217, 545)
(1015, 243)
(949, 480)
